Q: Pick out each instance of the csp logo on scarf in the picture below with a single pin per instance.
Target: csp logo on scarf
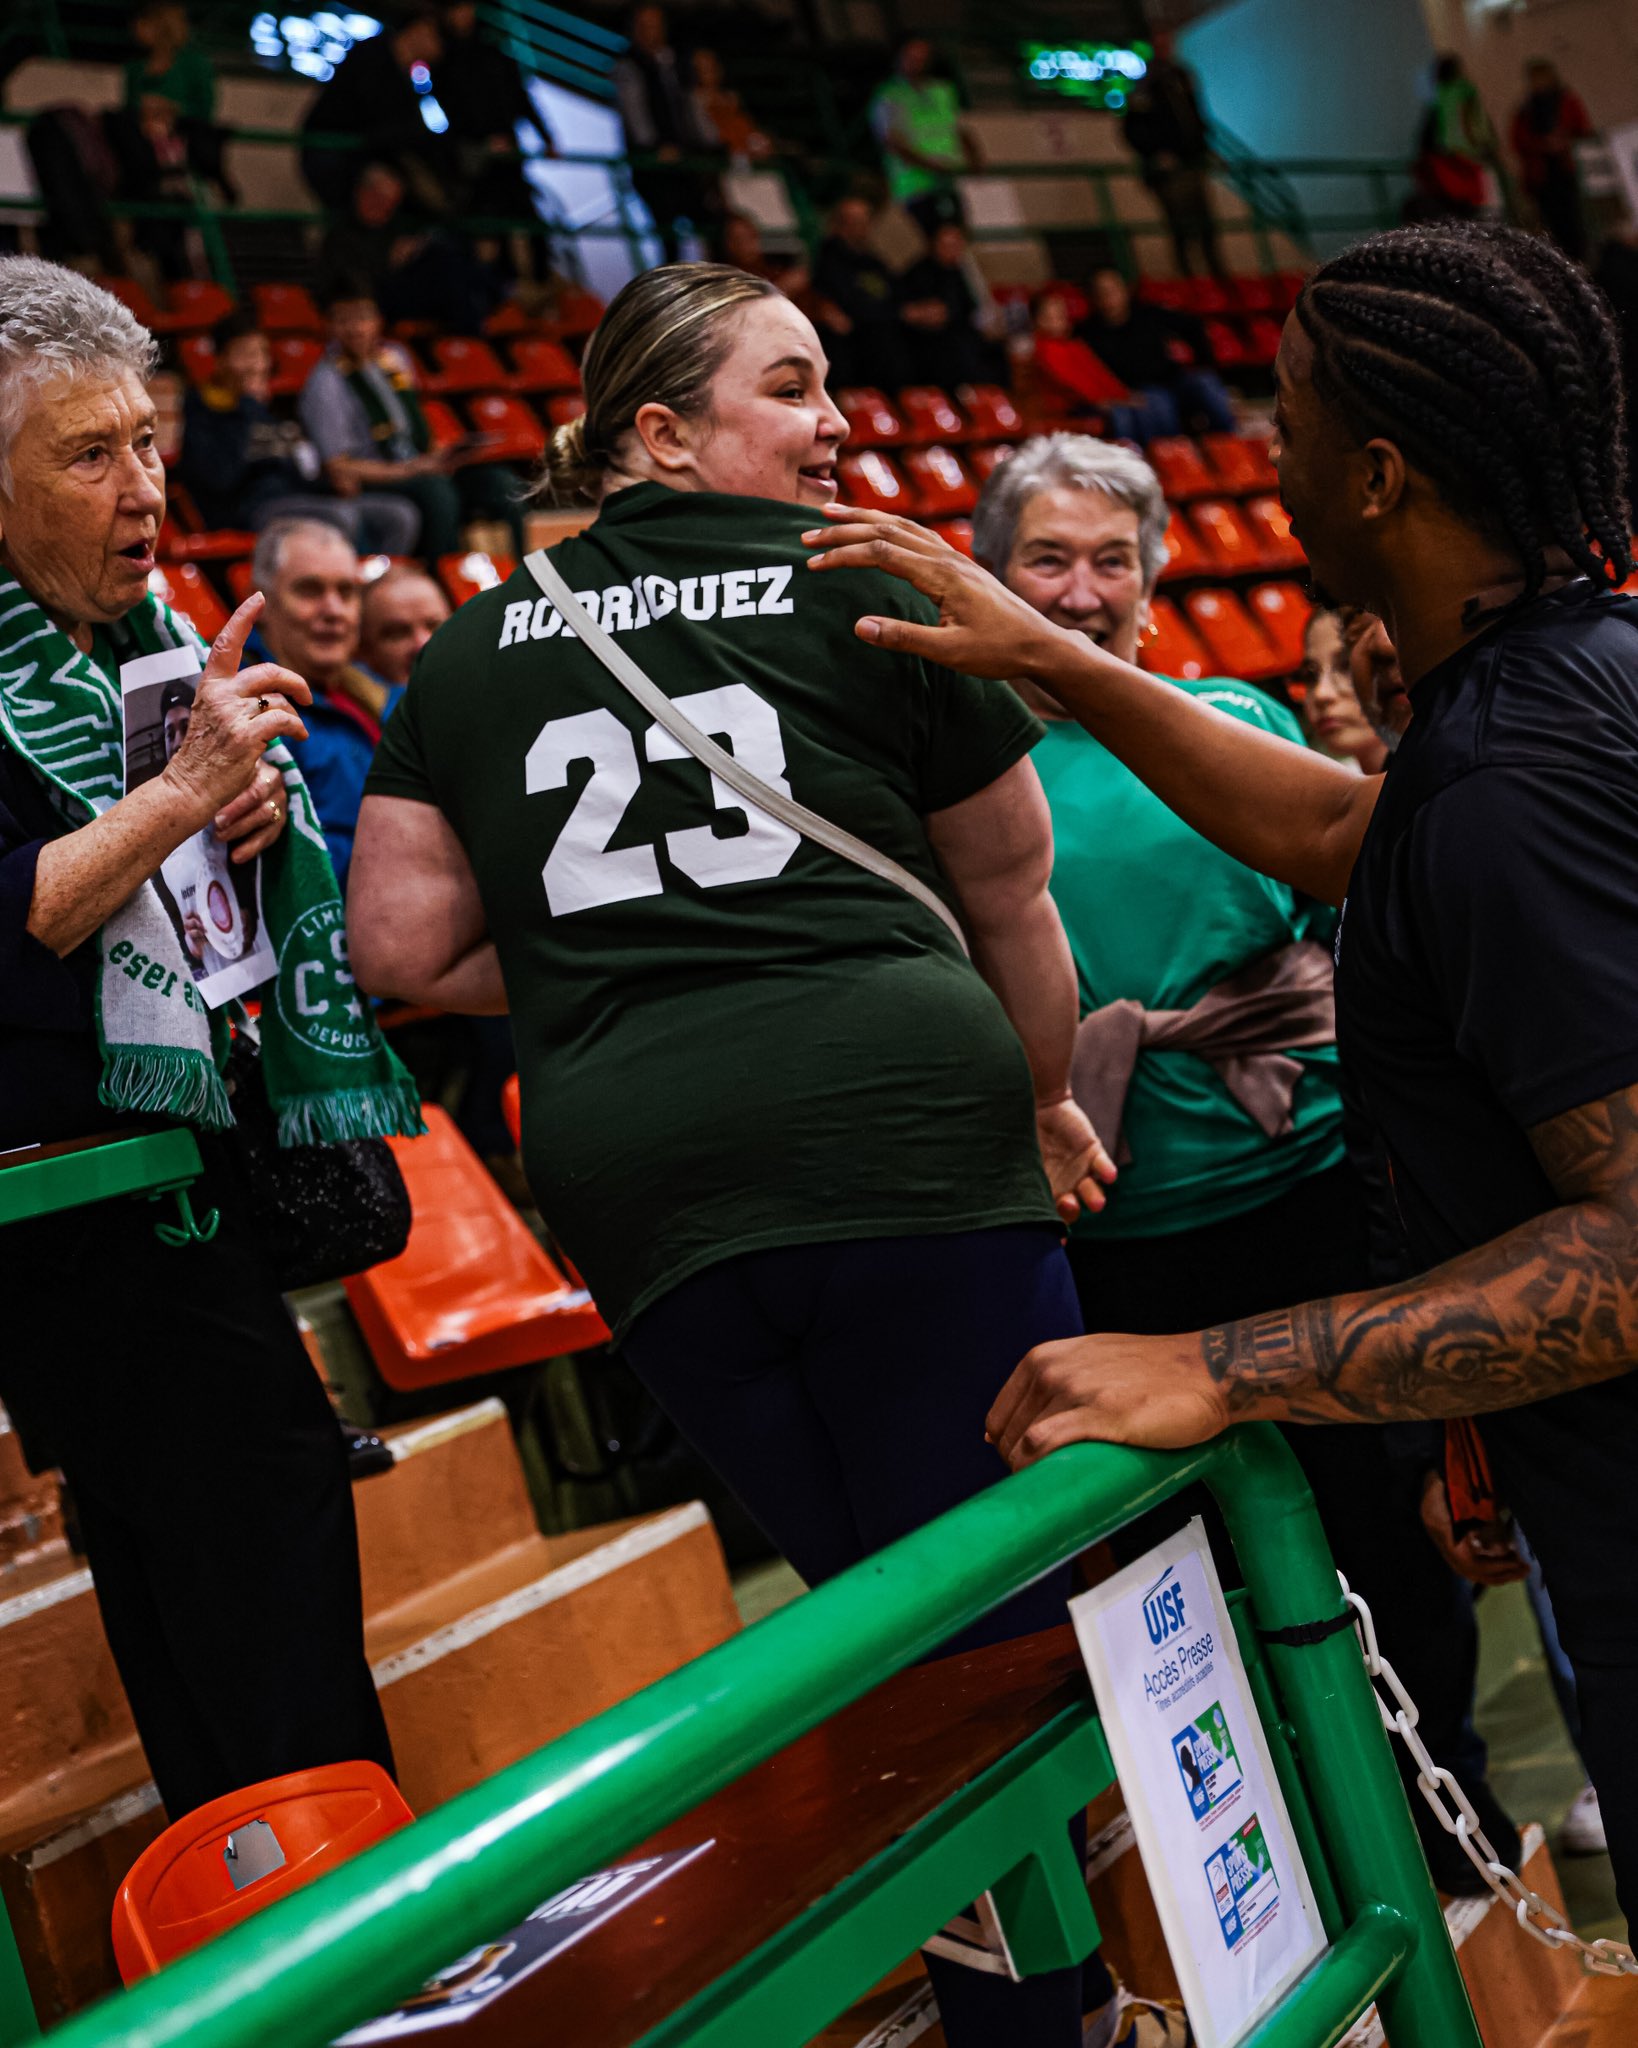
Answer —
(317, 997)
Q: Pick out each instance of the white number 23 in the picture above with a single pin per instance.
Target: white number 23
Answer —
(582, 871)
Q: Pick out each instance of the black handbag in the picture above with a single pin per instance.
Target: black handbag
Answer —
(323, 1210)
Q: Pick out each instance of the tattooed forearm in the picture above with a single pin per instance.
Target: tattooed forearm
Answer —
(1550, 1306)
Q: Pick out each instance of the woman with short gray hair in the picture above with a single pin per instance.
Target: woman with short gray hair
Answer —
(167, 1381)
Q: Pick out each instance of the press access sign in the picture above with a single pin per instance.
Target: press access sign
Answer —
(1234, 1900)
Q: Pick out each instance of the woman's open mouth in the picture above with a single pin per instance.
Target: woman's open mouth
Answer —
(140, 555)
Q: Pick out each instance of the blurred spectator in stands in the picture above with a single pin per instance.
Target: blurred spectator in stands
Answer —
(482, 92)
(719, 113)
(1166, 128)
(176, 73)
(662, 129)
(739, 242)
(245, 467)
(1073, 377)
(362, 412)
(1150, 350)
(916, 118)
(1550, 121)
(952, 320)
(1457, 146)
(308, 573)
(402, 609)
(856, 303)
(1329, 707)
(374, 95)
(418, 270)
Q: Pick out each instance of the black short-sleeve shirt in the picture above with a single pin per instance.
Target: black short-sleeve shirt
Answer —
(1487, 961)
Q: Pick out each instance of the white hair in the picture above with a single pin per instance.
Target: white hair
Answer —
(271, 542)
(55, 323)
(1075, 462)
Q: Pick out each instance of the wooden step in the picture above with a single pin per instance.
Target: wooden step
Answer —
(1603, 2015)
(31, 1521)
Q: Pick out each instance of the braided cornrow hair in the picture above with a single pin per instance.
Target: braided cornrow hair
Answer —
(1492, 361)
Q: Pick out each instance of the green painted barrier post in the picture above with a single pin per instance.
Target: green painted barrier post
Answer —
(359, 1939)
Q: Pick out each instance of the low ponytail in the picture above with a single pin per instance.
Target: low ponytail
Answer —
(572, 477)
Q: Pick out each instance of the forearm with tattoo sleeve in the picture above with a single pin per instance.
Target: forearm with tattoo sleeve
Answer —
(1550, 1306)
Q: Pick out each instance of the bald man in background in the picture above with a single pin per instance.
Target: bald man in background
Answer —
(402, 609)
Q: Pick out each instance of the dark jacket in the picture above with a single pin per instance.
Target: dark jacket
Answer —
(236, 459)
(859, 282)
(1163, 116)
(1139, 351)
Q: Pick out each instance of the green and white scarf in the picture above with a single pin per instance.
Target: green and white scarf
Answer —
(330, 1075)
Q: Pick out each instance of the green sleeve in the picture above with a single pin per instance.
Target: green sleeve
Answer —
(973, 734)
(192, 80)
(400, 764)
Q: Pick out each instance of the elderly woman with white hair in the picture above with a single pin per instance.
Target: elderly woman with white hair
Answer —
(168, 1381)
(1206, 1056)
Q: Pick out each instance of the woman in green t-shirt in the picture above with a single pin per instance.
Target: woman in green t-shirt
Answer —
(792, 1137)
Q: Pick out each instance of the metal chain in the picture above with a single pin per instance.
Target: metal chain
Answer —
(1533, 1913)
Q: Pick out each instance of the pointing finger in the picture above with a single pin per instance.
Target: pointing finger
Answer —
(229, 644)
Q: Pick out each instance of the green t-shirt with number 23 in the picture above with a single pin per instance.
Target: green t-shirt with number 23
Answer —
(728, 1038)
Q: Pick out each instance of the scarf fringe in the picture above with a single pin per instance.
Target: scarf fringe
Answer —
(340, 1114)
(165, 1081)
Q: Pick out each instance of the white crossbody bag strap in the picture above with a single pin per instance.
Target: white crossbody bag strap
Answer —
(721, 763)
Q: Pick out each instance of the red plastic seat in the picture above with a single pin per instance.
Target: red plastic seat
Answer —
(472, 1292)
(182, 1889)
(1250, 294)
(184, 588)
(225, 544)
(1182, 469)
(958, 532)
(1230, 546)
(1228, 350)
(444, 427)
(197, 354)
(984, 462)
(1261, 340)
(1239, 646)
(577, 311)
(463, 576)
(871, 419)
(518, 434)
(461, 363)
(286, 309)
(1174, 648)
(240, 581)
(1184, 554)
(1286, 286)
(193, 304)
(991, 414)
(1205, 296)
(873, 479)
(1282, 611)
(929, 414)
(566, 406)
(1271, 523)
(1170, 294)
(942, 486)
(540, 365)
(293, 358)
(1238, 464)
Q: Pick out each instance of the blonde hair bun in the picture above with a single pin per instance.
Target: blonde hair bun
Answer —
(572, 477)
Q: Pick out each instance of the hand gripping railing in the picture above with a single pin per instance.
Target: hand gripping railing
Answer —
(357, 1940)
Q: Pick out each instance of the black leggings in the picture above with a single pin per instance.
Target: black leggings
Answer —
(841, 1390)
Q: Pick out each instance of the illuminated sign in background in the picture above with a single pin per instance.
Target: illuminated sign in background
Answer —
(313, 44)
(1101, 74)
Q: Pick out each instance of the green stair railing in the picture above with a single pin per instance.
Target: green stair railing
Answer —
(350, 1945)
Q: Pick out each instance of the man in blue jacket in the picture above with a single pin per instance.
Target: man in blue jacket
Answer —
(308, 572)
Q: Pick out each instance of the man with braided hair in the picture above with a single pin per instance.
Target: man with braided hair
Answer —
(1451, 449)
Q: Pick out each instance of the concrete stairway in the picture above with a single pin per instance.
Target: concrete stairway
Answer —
(486, 1640)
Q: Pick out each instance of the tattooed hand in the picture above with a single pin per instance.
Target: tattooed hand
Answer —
(1151, 1391)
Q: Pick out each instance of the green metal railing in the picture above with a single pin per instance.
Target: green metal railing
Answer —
(351, 1944)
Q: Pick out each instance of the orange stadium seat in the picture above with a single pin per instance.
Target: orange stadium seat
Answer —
(871, 419)
(566, 406)
(1184, 554)
(1182, 469)
(286, 309)
(240, 581)
(1230, 545)
(874, 480)
(1170, 294)
(1239, 463)
(183, 586)
(473, 1291)
(461, 364)
(1228, 350)
(224, 544)
(197, 355)
(1239, 646)
(984, 462)
(185, 1886)
(293, 358)
(958, 532)
(194, 303)
(1282, 612)
(443, 424)
(577, 311)
(539, 365)
(1262, 340)
(1251, 294)
(1271, 523)
(1174, 648)
(1205, 296)
(463, 576)
(991, 414)
(929, 415)
(519, 436)
(942, 486)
